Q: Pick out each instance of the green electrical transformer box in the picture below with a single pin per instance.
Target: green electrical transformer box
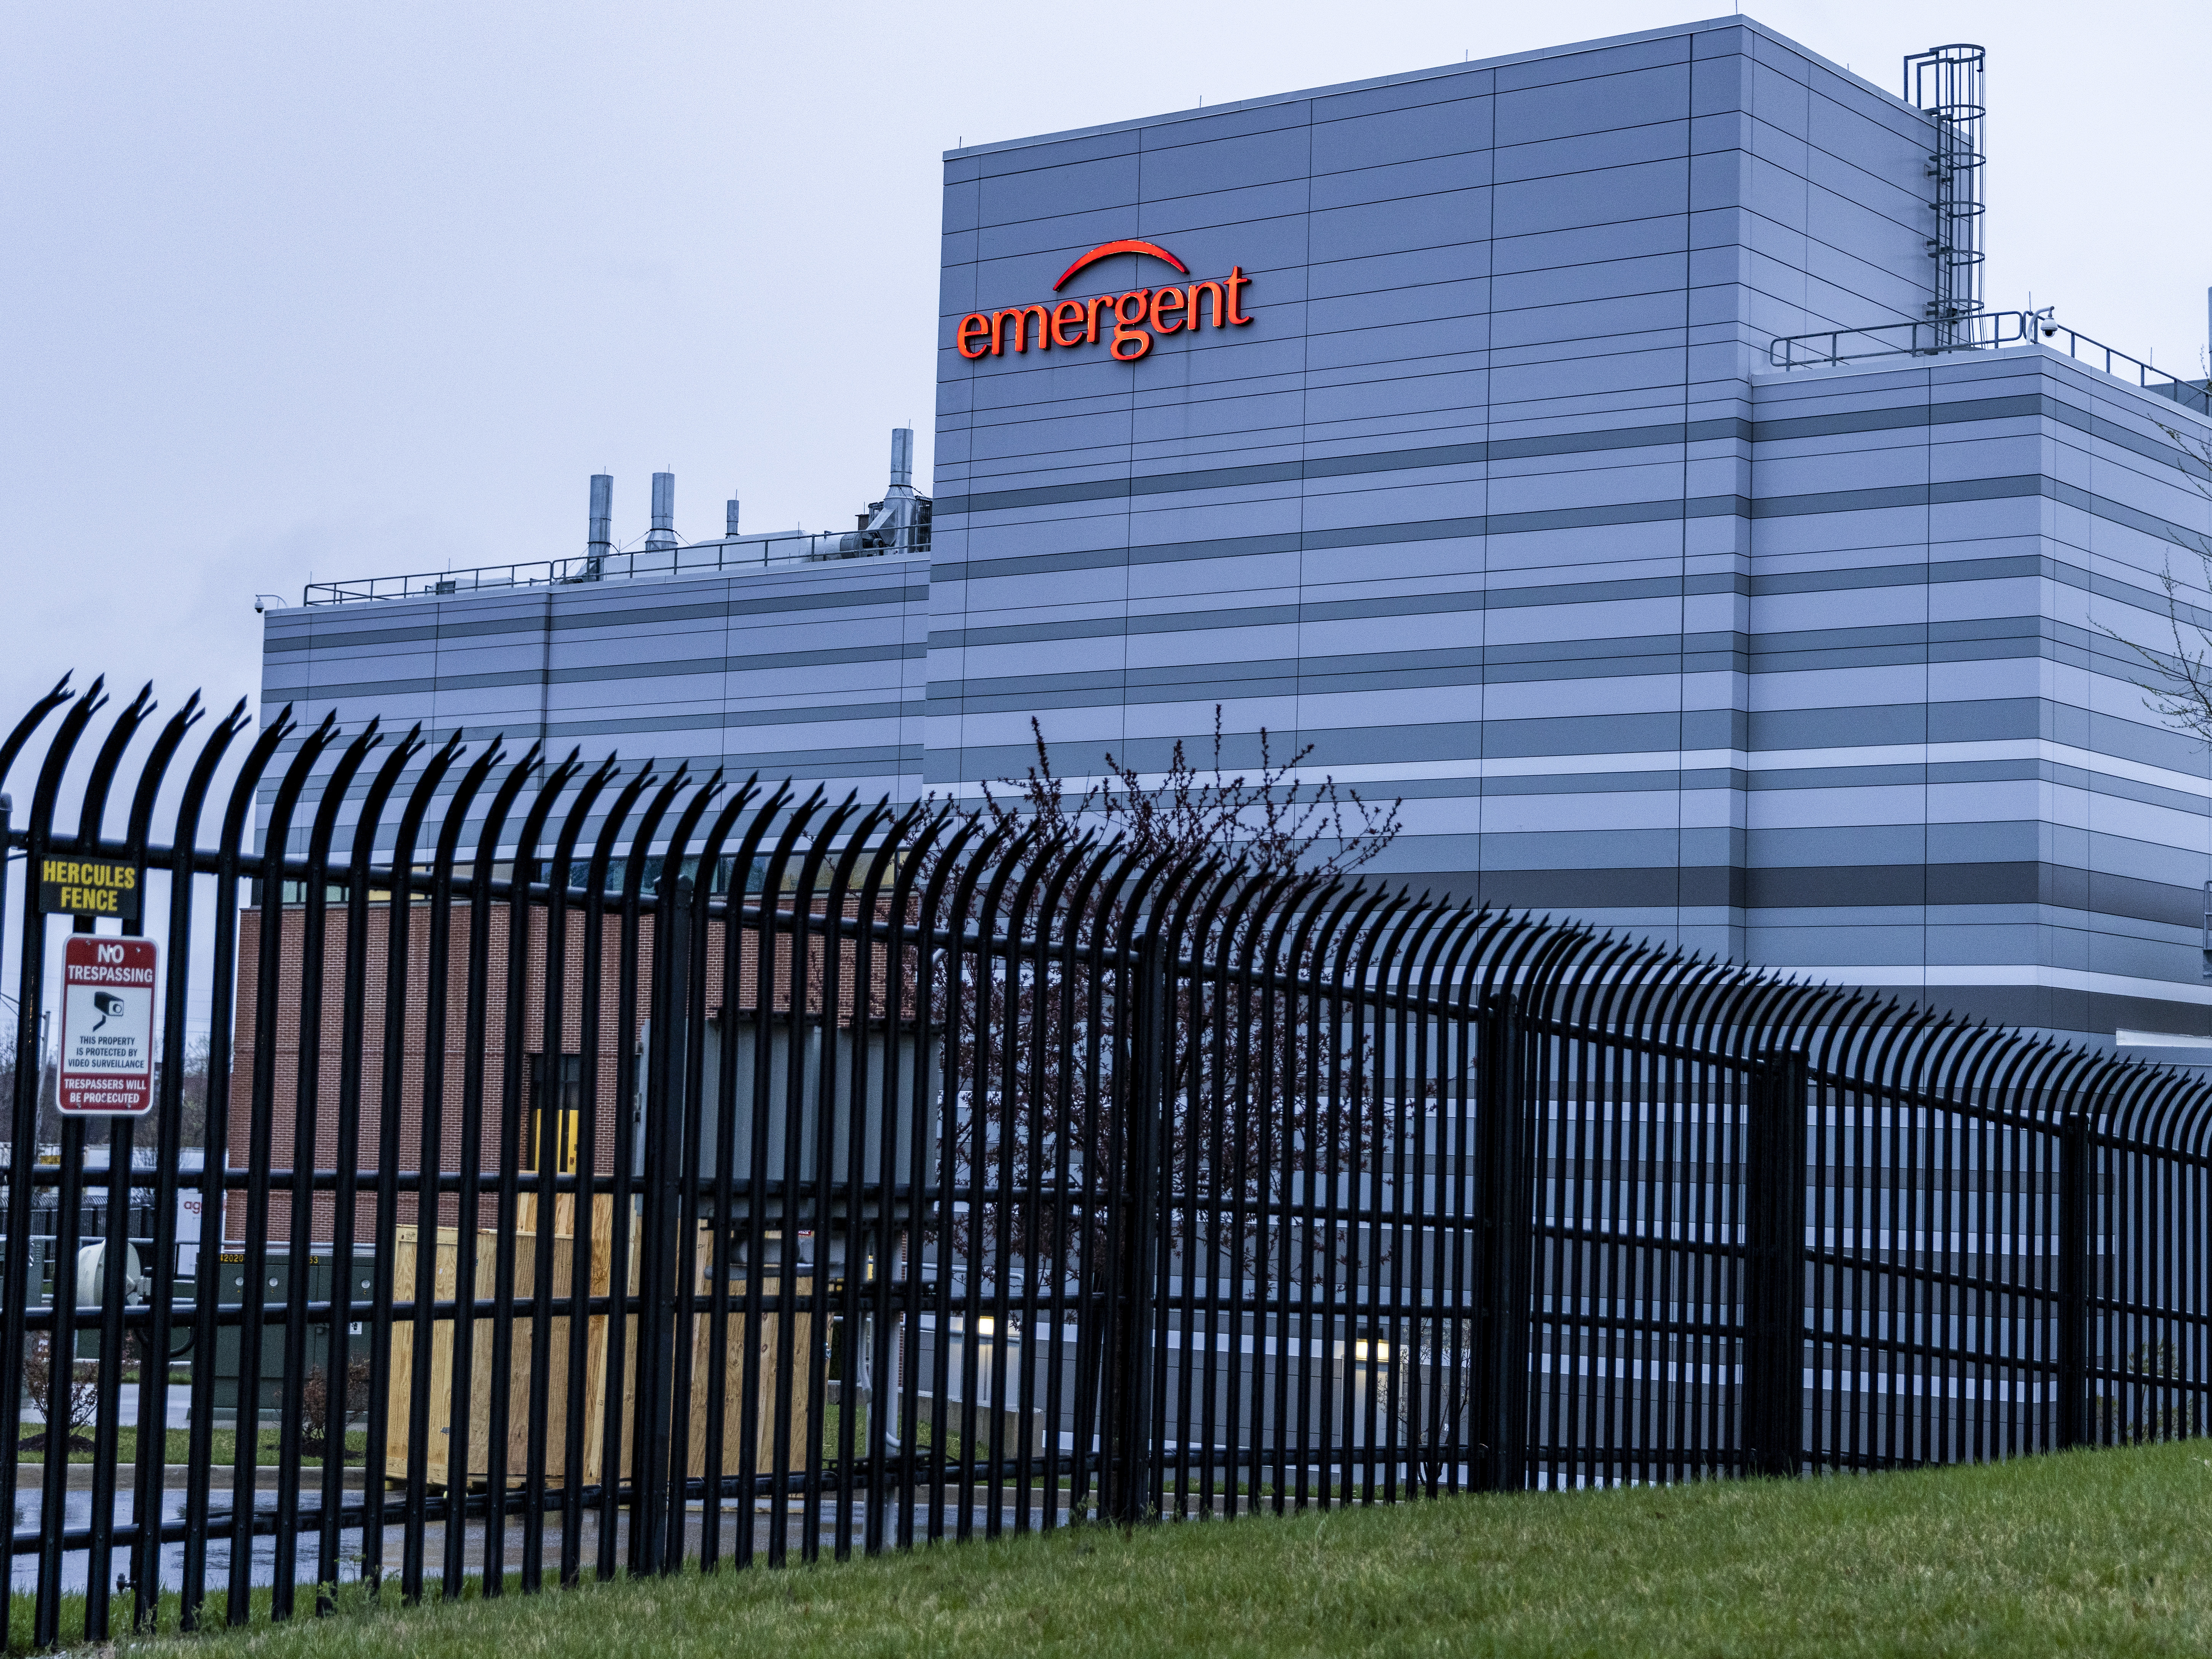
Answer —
(275, 1291)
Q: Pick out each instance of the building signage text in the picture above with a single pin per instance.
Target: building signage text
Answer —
(1129, 321)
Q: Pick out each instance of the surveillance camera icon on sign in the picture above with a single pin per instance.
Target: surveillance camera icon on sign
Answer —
(109, 1005)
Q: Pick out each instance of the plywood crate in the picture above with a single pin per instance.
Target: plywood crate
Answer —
(746, 1365)
(407, 1263)
(737, 1380)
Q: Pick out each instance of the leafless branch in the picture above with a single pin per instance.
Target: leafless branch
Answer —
(1275, 823)
(2177, 681)
(1264, 1099)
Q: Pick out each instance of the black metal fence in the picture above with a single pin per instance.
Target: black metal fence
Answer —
(570, 1205)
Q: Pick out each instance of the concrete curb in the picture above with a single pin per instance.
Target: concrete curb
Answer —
(174, 1477)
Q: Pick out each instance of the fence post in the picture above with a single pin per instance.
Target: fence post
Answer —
(1505, 1199)
(1127, 1479)
(1774, 1265)
(2075, 1201)
(658, 1475)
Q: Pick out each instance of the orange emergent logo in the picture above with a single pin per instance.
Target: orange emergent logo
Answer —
(1135, 317)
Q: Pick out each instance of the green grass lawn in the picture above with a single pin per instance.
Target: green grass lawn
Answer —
(2098, 1552)
(224, 1443)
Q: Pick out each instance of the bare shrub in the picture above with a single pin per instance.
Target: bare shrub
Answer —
(81, 1396)
(317, 1426)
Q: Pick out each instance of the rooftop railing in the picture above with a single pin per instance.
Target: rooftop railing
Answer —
(1831, 348)
(698, 558)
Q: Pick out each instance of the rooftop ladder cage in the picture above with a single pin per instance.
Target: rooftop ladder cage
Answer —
(1945, 83)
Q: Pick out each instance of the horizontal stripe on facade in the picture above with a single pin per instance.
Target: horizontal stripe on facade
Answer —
(1988, 640)
(1227, 683)
(1322, 611)
(1795, 779)
(2052, 886)
(774, 766)
(1375, 535)
(2025, 406)
(2042, 404)
(2007, 719)
(345, 630)
(1755, 644)
(761, 662)
(1476, 524)
(1344, 466)
(1983, 720)
(1750, 891)
(1933, 574)
(523, 732)
(736, 720)
(1642, 781)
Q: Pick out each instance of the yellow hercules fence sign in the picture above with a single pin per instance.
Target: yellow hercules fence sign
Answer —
(88, 887)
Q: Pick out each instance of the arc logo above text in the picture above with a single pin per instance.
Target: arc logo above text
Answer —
(1135, 317)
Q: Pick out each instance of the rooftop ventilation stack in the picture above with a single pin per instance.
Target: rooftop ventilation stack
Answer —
(662, 537)
(599, 543)
(1945, 84)
(900, 522)
(729, 518)
(901, 509)
(902, 460)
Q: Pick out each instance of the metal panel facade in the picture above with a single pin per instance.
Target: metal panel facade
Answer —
(806, 670)
(1953, 781)
(1465, 508)
(1496, 505)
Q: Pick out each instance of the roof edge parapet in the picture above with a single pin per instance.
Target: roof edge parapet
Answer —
(1436, 72)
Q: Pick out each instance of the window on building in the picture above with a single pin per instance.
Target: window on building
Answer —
(556, 1098)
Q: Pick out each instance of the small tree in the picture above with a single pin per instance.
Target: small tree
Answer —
(81, 1398)
(1263, 1100)
(1275, 823)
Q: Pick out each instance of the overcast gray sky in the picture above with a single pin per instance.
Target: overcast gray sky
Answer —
(353, 289)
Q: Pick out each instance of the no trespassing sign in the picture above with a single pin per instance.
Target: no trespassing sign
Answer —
(107, 1026)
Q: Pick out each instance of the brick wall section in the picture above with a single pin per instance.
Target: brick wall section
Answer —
(500, 1103)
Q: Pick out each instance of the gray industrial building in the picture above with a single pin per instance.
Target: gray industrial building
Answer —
(1475, 438)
